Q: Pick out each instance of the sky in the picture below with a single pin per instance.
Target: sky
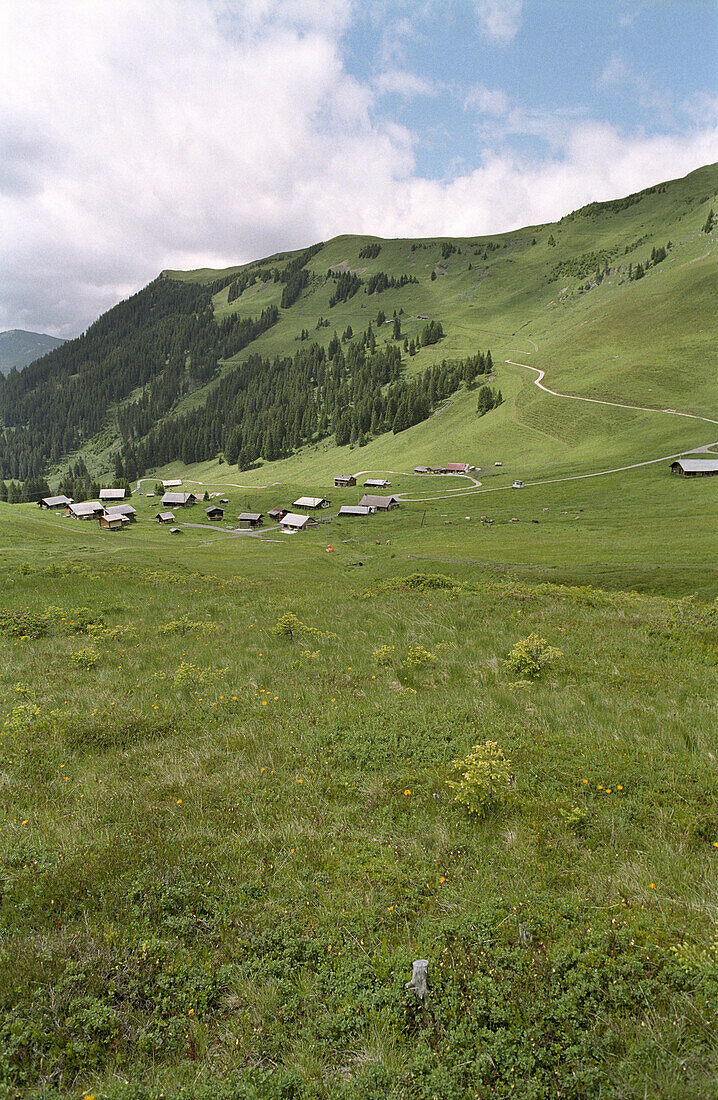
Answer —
(149, 134)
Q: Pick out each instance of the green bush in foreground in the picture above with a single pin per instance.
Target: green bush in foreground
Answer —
(482, 778)
(531, 655)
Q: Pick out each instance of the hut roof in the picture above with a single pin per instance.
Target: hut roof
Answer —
(696, 465)
(112, 494)
(293, 520)
(354, 510)
(377, 482)
(253, 517)
(165, 516)
(275, 513)
(121, 510)
(310, 502)
(54, 502)
(214, 508)
(178, 498)
(86, 508)
(377, 502)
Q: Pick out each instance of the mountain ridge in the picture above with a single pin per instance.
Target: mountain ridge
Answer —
(19, 347)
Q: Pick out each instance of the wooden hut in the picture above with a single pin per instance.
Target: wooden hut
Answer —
(293, 522)
(379, 504)
(311, 502)
(214, 512)
(249, 520)
(55, 502)
(344, 481)
(695, 467)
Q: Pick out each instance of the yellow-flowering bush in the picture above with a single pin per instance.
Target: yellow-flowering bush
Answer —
(481, 777)
(530, 655)
(382, 654)
(418, 657)
(86, 658)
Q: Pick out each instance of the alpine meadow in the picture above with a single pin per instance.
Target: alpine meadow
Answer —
(399, 647)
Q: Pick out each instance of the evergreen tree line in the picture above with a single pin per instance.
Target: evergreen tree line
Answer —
(50, 407)
(370, 251)
(268, 408)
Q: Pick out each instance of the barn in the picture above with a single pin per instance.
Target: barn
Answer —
(109, 522)
(214, 512)
(86, 509)
(355, 510)
(113, 494)
(123, 510)
(179, 500)
(376, 483)
(249, 520)
(276, 513)
(311, 502)
(457, 467)
(292, 522)
(55, 502)
(695, 467)
(344, 481)
(379, 504)
(165, 517)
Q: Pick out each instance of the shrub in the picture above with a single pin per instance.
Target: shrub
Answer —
(698, 960)
(418, 657)
(481, 778)
(382, 654)
(188, 675)
(530, 655)
(86, 658)
(288, 625)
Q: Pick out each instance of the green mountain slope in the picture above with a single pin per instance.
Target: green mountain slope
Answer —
(244, 362)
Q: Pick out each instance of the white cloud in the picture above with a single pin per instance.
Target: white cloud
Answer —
(403, 83)
(499, 20)
(486, 101)
(192, 133)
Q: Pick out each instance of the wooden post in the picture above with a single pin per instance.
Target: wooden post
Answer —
(419, 978)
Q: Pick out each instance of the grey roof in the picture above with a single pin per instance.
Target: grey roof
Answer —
(166, 516)
(344, 477)
(421, 469)
(87, 508)
(113, 519)
(121, 510)
(377, 482)
(214, 508)
(293, 520)
(276, 511)
(172, 484)
(53, 502)
(696, 465)
(377, 502)
(354, 510)
(177, 498)
(253, 516)
(175, 530)
(112, 494)
(310, 502)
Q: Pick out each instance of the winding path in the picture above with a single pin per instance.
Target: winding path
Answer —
(599, 473)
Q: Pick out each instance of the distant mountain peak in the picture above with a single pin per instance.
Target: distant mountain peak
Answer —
(18, 348)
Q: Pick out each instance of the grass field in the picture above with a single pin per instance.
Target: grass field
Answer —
(223, 848)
